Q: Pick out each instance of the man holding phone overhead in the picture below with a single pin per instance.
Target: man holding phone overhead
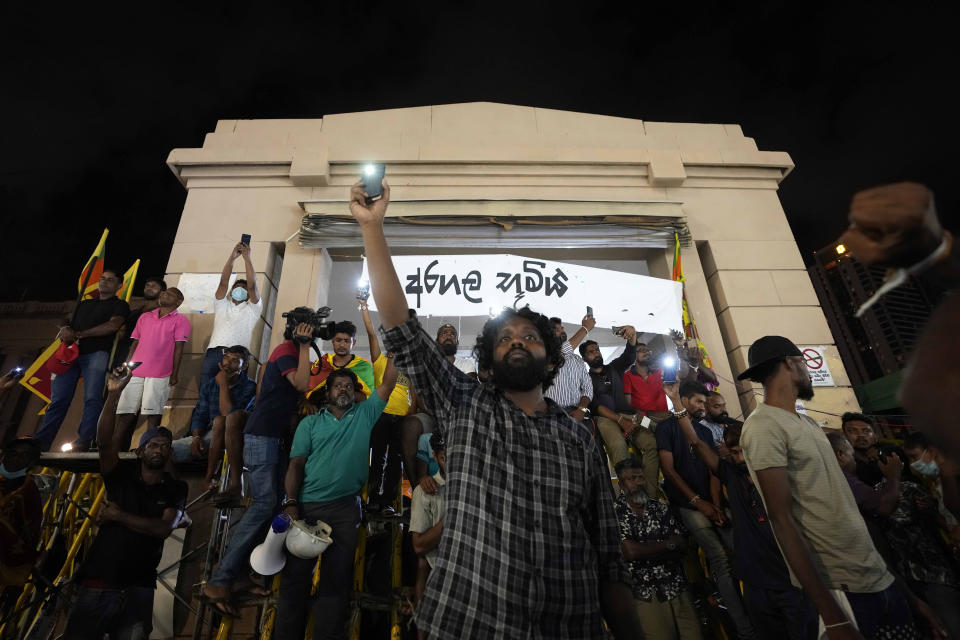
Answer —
(531, 561)
(236, 308)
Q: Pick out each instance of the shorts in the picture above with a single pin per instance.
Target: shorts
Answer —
(144, 395)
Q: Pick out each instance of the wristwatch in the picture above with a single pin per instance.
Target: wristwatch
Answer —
(585, 410)
(289, 502)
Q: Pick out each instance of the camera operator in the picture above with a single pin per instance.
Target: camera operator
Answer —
(285, 377)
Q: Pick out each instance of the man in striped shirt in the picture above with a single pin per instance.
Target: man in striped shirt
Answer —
(572, 389)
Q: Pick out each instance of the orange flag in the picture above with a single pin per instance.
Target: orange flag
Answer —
(90, 276)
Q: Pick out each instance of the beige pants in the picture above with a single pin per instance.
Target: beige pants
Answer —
(643, 442)
(612, 436)
(672, 620)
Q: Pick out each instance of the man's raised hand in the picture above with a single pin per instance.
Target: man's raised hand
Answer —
(118, 379)
(368, 213)
(894, 225)
(588, 322)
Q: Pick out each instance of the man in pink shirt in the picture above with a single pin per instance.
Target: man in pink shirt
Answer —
(158, 341)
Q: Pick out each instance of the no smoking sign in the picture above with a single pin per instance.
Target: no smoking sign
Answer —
(817, 366)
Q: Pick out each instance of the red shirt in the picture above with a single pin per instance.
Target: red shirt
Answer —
(645, 395)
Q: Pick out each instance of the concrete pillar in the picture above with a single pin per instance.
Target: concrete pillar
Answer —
(701, 308)
(304, 282)
(760, 288)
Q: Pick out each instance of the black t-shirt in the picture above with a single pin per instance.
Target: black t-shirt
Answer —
(608, 384)
(120, 556)
(91, 313)
(756, 556)
(688, 466)
(123, 345)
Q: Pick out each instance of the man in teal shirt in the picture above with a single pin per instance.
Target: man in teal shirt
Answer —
(328, 468)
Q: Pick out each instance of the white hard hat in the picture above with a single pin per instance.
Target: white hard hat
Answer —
(308, 541)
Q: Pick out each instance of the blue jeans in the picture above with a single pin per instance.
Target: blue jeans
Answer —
(180, 449)
(93, 368)
(884, 614)
(211, 365)
(716, 543)
(262, 458)
(336, 572)
(126, 614)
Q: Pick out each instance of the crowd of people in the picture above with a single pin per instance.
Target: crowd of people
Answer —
(804, 532)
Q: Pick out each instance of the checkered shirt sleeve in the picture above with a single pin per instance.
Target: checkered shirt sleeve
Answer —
(530, 530)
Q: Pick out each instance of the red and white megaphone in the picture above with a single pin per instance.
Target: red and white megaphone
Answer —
(268, 557)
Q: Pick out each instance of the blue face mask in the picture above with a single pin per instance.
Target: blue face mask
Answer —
(12, 475)
(239, 294)
(929, 469)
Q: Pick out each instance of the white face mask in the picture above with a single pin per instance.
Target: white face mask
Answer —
(239, 294)
(439, 479)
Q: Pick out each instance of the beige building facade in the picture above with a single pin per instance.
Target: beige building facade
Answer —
(286, 183)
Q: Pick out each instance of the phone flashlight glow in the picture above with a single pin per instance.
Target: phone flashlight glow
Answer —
(369, 169)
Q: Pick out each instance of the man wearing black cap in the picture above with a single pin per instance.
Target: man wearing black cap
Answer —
(142, 506)
(814, 515)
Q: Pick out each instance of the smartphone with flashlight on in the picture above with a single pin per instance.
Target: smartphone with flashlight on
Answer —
(132, 365)
(363, 291)
(669, 363)
(373, 181)
(17, 372)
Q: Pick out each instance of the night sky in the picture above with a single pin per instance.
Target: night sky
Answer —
(95, 99)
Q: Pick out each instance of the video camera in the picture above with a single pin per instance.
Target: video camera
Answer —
(316, 319)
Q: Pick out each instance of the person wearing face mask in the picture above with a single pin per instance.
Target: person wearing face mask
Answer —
(901, 517)
(923, 459)
(775, 607)
(21, 512)
(426, 515)
(653, 544)
(236, 307)
(327, 471)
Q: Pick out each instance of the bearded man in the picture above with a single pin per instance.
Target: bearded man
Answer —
(530, 545)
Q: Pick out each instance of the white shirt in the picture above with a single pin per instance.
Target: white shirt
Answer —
(466, 365)
(233, 323)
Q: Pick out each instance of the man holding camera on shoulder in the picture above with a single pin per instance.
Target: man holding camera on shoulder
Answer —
(285, 377)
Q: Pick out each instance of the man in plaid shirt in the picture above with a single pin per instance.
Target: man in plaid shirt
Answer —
(531, 545)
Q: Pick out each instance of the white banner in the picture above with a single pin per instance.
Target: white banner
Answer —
(480, 285)
(815, 358)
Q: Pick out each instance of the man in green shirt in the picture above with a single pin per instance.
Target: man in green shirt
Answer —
(328, 468)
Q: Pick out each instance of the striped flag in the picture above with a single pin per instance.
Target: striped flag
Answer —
(689, 326)
(90, 276)
(126, 289)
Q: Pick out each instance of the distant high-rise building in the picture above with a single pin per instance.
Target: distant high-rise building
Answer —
(879, 343)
